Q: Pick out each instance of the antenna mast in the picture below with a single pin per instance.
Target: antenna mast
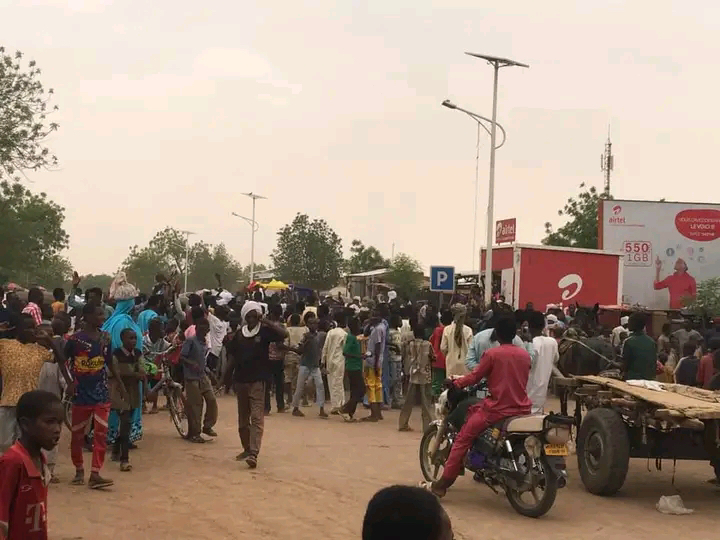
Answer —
(607, 161)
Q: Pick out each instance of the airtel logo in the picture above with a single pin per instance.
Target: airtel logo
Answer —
(566, 283)
(617, 209)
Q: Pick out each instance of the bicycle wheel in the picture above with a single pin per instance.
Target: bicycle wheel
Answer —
(176, 406)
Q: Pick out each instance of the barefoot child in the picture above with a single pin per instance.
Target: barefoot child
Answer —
(24, 476)
(128, 369)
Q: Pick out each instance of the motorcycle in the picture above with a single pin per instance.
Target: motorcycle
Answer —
(524, 456)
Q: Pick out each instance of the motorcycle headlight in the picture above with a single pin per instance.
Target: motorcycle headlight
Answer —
(533, 446)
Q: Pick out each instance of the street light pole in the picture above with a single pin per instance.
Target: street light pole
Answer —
(496, 63)
(480, 124)
(255, 227)
(187, 254)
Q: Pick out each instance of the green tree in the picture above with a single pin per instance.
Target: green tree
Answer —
(707, 301)
(581, 230)
(166, 254)
(406, 275)
(24, 107)
(100, 280)
(363, 259)
(244, 278)
(308, 253)
(210, 260)
(31, 233)
(53, 271)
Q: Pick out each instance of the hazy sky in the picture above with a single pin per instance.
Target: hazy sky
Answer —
(169, 110)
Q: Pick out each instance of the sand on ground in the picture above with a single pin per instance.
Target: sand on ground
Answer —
(316, 476)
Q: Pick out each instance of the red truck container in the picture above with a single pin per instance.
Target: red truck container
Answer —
(556, 275)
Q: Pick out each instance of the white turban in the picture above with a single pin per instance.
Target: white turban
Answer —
(250, 306)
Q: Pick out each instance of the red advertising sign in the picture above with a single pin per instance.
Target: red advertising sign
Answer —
(505, 231)
(699, 224)
(564, 277)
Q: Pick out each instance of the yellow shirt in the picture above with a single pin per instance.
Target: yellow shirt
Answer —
(57, 307)
(20, 365)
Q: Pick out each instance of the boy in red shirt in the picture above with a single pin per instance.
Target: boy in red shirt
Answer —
(507, 369)
(24, 475)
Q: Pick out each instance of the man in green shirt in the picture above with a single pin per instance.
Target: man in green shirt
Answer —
(639, 351)
(353, 367)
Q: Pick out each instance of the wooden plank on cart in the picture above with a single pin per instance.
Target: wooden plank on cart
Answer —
(689, 402)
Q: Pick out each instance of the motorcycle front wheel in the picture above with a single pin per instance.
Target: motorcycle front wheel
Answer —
(539, 498)
(432, 468)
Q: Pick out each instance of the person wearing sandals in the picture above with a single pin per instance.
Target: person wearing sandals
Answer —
(197, 384)
(128, 365)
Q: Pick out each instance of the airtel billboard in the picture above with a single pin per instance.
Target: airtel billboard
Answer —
(669, 248)
(505, 231)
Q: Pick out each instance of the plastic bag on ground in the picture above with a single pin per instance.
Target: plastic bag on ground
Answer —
(672, 504)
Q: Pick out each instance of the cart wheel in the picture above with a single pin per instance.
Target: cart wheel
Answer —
(603, 451)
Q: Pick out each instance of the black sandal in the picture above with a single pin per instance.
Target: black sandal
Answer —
(196, 439)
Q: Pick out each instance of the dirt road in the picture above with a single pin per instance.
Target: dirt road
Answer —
(314, 480)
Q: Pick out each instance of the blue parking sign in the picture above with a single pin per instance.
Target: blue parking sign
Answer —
(442, 279)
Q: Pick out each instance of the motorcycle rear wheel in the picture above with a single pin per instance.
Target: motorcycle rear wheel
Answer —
(432, 469)
(539, 500)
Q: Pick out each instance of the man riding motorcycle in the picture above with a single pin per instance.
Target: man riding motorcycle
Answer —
(506, 369)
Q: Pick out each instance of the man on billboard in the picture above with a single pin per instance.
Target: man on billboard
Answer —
(680, 285)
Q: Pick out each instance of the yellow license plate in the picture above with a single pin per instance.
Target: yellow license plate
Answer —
(556, 450)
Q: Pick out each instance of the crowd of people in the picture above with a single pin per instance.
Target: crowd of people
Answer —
(101, 351)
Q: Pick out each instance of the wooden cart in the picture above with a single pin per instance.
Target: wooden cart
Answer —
(617, 421)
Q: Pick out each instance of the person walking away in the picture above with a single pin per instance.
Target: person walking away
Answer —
(684, 335)
(125, 394)
(276, 356)
(248, 372)
(395, 350)
(310, 352)
(419, 356)
(506, 368)
(292, 359)
(334, 361)
(400, 512)
(59, 304)
(372, 370)
(439, 366)
(21, 362)
(456, 339)
(24, 476)
(352, 351)
(545, 361)
(686, 371)
(323, 329)
(197, 384)
(639, 351)
(89, 357)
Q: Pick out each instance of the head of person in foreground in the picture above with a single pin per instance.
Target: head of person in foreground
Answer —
(405, 512)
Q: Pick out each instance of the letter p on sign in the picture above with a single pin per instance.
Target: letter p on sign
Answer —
(442, 279)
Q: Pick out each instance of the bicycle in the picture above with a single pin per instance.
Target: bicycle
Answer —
(173, 391)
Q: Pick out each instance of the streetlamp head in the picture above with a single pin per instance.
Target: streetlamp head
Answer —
(497, 61)
(449, 104)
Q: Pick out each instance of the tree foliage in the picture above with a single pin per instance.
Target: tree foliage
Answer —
(102, 281)
(363, 259)
(707, 300)
(406, 275)
(32, 235)
(166, 254)
(581, 230)
(308, 253)
(24, 107)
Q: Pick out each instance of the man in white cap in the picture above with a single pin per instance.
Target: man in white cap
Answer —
(615, 339)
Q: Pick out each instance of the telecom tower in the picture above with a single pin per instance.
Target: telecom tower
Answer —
(607, 160)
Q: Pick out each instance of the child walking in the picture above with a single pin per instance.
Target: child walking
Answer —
(128, 369)
(24, 475)
(310, 351)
